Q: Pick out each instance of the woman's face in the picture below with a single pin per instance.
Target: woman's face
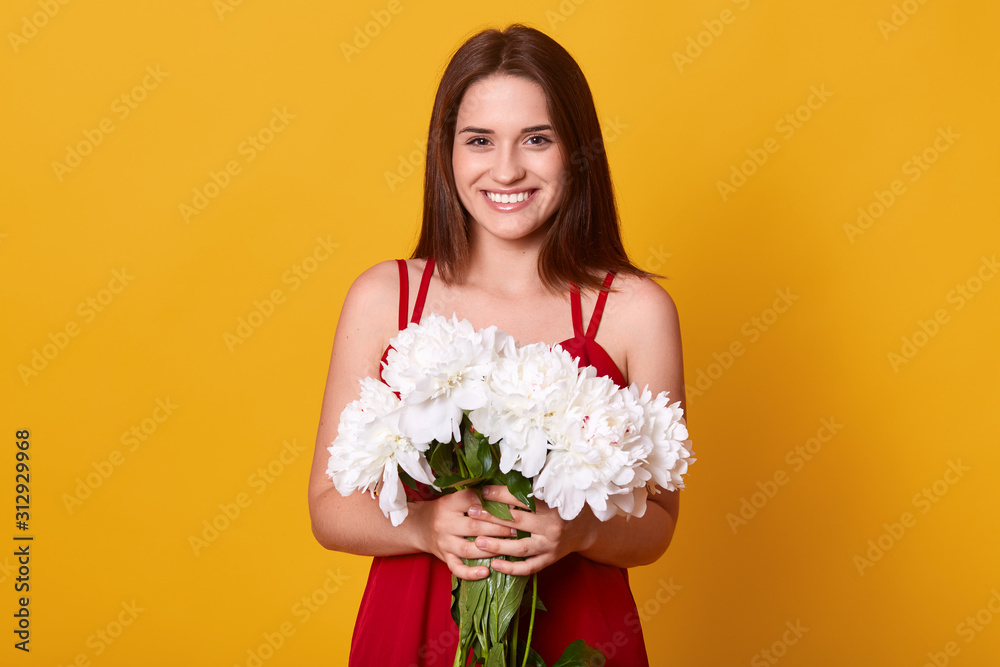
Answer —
(508, 162)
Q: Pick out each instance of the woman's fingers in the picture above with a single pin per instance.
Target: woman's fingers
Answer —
(474, 527)
(461, 548)
(463, 571)
(521, 519)
(522, 548)
(472, 550)
(521, 568)
(502, 495)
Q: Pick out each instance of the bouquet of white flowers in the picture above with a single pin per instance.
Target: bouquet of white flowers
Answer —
(462, 408)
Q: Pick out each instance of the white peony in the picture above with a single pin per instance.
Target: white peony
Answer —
(370, 448)
(439, 368)
(528, 392)
(580, 438)
(592, 459)
(671, 452)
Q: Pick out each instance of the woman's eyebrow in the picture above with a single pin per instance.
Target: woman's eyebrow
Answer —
(527, 130)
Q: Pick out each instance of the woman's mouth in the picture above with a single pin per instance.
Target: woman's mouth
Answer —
(509, 201)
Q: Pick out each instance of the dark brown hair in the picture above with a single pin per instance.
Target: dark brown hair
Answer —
(584, 242)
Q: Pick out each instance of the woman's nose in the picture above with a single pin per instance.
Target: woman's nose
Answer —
(507, 167)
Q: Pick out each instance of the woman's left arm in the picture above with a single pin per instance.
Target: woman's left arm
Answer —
(647, 332)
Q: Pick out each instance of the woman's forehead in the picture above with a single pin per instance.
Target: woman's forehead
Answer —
(501, 102)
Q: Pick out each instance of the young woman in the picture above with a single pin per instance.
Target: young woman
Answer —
(520, 230)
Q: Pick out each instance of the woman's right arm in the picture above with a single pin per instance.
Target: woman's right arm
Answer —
(367, 320)
(355, 524)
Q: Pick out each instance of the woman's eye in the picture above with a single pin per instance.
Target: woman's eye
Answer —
(478, 141)
(538, 140)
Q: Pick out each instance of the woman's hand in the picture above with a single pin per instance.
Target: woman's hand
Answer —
(551, 536)
(444, 524)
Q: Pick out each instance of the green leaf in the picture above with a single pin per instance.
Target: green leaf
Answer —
(520, 487)
(450, 481)
(472, 445)
(474, 599)
(499, 510)
(534, 660)
(494, 591)
(578, 654)
(456, 593)
(497, 657)
(510, 601)
(465, 615)
(442, 458)
(485, 458)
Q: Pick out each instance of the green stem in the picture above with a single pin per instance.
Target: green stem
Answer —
(462, 467)
(459, 660)
(531, 624)
(513, 642)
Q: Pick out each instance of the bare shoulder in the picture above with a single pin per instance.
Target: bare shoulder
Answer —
(375, 284)
(642, 304)
(647, 329)
(368, 318)
(378, 285)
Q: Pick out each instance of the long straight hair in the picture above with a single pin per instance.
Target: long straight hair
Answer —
(583, 242)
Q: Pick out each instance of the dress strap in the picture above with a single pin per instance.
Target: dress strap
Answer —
(602, 298)
(404, 292)
(574, 300)
(425, 280)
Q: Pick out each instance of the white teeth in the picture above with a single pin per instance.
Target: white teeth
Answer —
(508, 198)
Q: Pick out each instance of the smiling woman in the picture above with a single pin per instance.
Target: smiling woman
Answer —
(511, 237)
(527, 73)
(509, 179)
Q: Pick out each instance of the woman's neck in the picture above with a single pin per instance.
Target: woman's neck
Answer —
(505, 267)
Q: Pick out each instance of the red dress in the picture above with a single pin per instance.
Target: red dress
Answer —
(405, 614)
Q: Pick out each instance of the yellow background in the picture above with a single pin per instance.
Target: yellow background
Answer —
(674, 128)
